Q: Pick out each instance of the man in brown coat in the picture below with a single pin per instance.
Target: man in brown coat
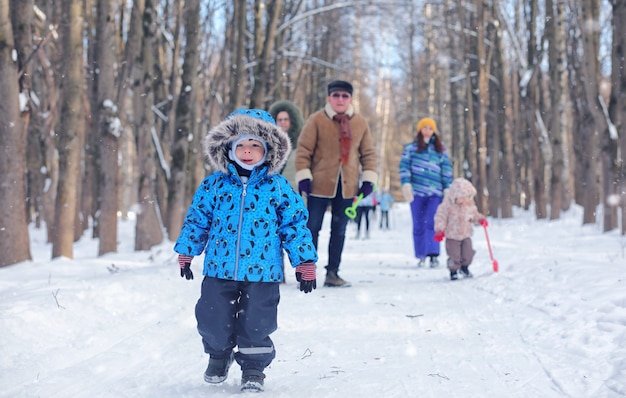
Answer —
(335, 152)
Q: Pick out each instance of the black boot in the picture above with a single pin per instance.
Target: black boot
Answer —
(465, 271)
(217, 371)
(252, 380)
(453, 275)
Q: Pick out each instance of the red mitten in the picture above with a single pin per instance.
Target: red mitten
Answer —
(439, 235)
(483, 222)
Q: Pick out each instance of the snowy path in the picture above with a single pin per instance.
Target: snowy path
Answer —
(129, 331)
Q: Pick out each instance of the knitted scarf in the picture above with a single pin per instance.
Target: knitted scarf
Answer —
(346, 136)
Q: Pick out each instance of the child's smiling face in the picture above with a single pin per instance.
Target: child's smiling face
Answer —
(249, 151)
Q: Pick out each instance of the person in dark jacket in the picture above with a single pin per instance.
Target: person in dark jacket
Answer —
(425, 172)
(242, 217)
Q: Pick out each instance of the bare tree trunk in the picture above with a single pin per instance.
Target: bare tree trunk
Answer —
(81, 219)
(88, 207)
(173, 88)
(109, 128)
(496, 126)
(383, 109)
(184, 122)
(538, 160)
(580, 120)
(149, 229)
(610, 181)
(357, 74)
(484, 69)
(513, 139)
(610, 143)
(559, 98)
(162, 99)
(40, 137)
(35, 171)
(531, 104)
(70, 130)
(413, 76)
(458, 85)
(514, 135)
(502, 177)
(129, 173)
(534, 121)
(238, 37)
(471, 133)
(598, 124)
(131, 51)
(262, 70)
(617, 104)
(471, 171)
(14, 239)
(22, 25)
(566, 121)
(509, 171)
(431, 63)
(281, 88)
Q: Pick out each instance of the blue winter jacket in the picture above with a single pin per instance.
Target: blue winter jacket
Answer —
(243, 227)
(429, 172)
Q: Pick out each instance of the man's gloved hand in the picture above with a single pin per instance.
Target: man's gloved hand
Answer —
(305, 274)
(304, 187)
(185, 266)
(483, 222)
(407, 192)
(439, 235)
(366, 188)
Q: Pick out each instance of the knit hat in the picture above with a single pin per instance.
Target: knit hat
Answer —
(255, 113)
(339, 85)
(426, 122)
(233, 148)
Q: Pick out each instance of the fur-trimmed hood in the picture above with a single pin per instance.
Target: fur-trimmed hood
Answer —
(460, 188)
(218, 140)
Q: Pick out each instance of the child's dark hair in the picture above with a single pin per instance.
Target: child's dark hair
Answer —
(421, 144)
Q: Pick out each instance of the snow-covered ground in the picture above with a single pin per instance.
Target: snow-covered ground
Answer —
(551, 323)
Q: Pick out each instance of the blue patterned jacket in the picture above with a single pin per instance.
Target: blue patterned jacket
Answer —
(428, 172)
(243, 227)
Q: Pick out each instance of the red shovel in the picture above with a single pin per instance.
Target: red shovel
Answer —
(493, 260)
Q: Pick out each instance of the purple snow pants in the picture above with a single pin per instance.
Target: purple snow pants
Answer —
(423, 210)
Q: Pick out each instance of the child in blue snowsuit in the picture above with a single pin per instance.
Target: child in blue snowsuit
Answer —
(242, 217)
(385, 200)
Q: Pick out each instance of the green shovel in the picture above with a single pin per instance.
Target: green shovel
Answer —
(351, 211)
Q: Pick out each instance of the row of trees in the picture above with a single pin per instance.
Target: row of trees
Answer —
(531, 96)
(105, 101)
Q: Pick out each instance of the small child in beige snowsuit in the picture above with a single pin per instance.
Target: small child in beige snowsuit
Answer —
(454, 220)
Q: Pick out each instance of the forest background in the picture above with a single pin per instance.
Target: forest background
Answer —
(104, 102)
